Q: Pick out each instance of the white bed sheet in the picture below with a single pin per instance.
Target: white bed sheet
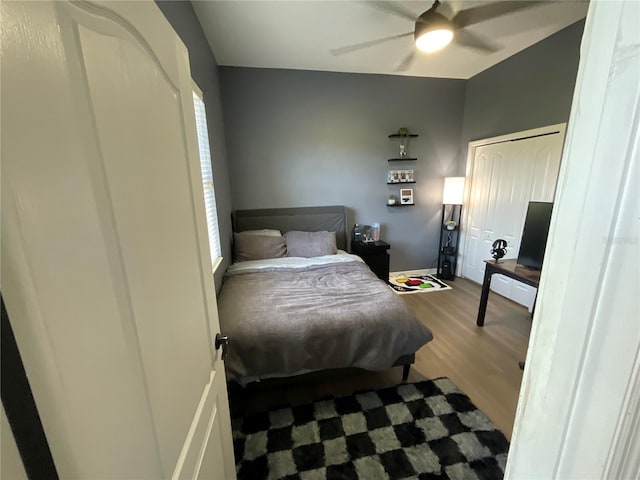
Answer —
(291, 262)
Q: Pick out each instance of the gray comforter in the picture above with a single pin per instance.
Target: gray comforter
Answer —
(288, 321)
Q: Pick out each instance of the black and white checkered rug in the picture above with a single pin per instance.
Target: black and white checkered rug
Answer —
(422, 430)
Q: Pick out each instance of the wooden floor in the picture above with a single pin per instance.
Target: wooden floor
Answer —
(482, 361)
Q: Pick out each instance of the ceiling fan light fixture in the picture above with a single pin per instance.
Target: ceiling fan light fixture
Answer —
(433, 31)
(434, 40)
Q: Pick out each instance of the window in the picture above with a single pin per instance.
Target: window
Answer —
(207, 178)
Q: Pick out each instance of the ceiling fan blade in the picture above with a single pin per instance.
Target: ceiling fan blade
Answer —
(393, 8)
(406, 62)
(475, 41)
(370, 43)
(474, 15)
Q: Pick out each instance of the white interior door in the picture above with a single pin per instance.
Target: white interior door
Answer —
(505, 177)
(579, 411)
(106, 271)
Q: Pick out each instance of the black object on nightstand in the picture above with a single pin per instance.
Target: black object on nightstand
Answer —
(375, 255)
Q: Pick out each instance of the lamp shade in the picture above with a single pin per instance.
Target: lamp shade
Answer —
(432, 31)
(453, 193)
(434, 40)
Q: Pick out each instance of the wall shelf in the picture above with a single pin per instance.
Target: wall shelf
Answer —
(394, 177)
(397, 135)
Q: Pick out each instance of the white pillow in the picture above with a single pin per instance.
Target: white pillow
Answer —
(265, 232)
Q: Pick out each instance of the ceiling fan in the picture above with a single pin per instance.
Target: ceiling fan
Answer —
(433, 31)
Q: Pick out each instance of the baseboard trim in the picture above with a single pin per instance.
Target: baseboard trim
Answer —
(430, 271)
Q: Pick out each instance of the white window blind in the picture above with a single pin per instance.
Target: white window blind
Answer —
(207, 178)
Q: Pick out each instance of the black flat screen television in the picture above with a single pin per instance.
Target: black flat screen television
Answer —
(534, 235)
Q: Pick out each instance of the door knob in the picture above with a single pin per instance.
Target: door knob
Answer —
(222, 341)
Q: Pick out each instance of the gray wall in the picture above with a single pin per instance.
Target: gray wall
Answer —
(204, 70)
(300, 138)
(531, 89)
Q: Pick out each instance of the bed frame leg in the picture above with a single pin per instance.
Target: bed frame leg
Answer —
(405, 372)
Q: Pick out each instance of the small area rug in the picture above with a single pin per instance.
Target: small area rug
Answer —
(423, 430)
(415, 281)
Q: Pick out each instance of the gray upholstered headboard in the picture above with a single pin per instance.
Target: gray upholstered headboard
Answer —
(306, 219)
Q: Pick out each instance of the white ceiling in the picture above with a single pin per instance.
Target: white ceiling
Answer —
(300, 34)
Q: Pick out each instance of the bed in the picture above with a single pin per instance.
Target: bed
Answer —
(312, 307)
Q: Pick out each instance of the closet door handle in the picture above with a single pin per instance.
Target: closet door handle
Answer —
(222, 341)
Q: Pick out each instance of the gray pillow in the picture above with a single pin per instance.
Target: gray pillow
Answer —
(257, 247)
(310, 244)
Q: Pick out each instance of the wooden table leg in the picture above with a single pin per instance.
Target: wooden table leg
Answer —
(484, 296)
(405, 372)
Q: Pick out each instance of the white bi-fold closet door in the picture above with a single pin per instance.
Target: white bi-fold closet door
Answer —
(505, 174)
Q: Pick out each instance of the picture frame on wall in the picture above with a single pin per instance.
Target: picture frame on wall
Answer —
(406, 196)
(410, 176)
(400, 176)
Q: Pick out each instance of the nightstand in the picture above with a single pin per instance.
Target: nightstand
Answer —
(375, 255)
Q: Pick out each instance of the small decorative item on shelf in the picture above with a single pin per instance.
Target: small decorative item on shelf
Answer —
(406, 196)
(404, 141)
(391, 200)
(499, 249)
(448, 249)
(400, 176)
(450, 225)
